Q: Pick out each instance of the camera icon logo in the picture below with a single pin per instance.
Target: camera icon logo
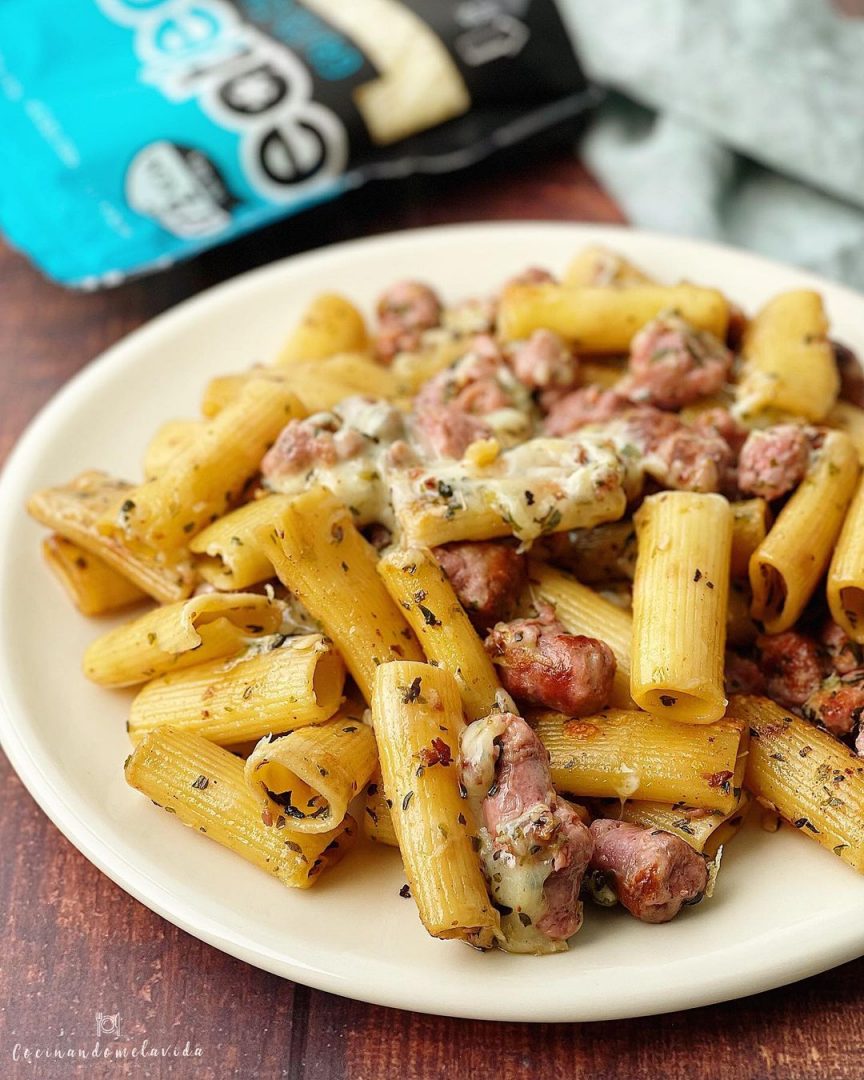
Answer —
(108, 1024)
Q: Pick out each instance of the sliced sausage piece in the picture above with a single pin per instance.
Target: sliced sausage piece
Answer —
(487, 577)
(844, 654)
(653, 873)
(689, 461)
(405, 311)
(539, 662)
(721, 423)
(773, 461)
(742, 675)
(590, 405)
(672, 363)
(545, 362)
(321, 439)
(448, 432)
(531, 829)
(851, 374)
(792, 667)
(836, 706)
(477, 383)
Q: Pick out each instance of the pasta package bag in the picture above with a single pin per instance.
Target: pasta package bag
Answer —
(139, 132)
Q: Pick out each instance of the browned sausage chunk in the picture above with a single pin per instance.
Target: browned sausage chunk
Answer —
(687, 460)
(653, 873)
(544, 362)
(792, 667)
(448, 432)
(743, 676)
(321, 439)
(773, 461)
(836, 706)
(590, 405)
(539, 662)
(844, 654)
(405, 310)
(672, 363)
(523, 789)
(486, 575)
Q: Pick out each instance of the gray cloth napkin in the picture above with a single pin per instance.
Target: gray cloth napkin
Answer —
(743, 121)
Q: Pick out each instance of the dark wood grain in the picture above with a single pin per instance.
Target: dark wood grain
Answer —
(74, 944)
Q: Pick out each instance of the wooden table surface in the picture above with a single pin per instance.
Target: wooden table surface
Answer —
(75, 944)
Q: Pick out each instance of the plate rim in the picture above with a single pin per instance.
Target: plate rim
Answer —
(781, 970)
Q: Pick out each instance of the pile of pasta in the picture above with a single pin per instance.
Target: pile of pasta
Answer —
(273, 668)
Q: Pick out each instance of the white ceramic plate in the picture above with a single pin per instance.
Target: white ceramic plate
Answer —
(784, 908)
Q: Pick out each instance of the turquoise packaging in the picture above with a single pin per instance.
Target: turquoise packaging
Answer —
(138, 132)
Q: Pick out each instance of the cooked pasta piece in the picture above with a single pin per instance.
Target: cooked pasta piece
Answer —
(789, 563)
(846, 573)
(597, 265)
(293, 684)
(809, 778)
(330, 324)
(538, 487)
(95, 587)
(203, 785)
(751, 520)
(849, 418)
(74, 511)
(308, 777)
(740, 628)
(789, 366)
(604, 320)
(417, 714)
(625, 754)
(703, 830)
(203, 480)
(320, 556)
(580, 610)
(680, 597)
(169, 440)
(319, 384)
(228, 553)
(377, 818)
(420, 587)
(181, 635)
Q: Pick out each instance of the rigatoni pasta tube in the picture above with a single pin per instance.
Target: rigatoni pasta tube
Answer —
(377, 819)
(417, 714)
(203, 785)
(605, 320)
(751, 519)
(231, 702)
(204, 479)
(539, 487)
(169, 440)
(846, 573)
(680, 596)
(180, 636)
(789, 365)
(95, 587)
(320, 384)
(789, 563)
(308, 777)
(228, 553)
(74, 511)
(331, 324)
(596, 265)
(849, 418)
(420, 587)
(580, 610)
(809, 778)
(321, 557)
(626, 754)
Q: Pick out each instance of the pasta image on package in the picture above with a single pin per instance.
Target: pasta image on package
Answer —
(170, 126)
